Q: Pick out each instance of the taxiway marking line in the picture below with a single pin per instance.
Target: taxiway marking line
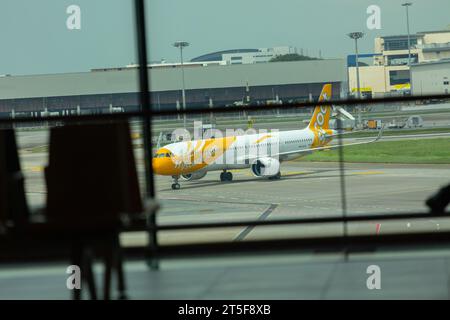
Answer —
(249, 229)
(368, 173)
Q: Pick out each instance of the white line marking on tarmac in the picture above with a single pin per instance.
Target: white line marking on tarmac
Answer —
(262, 217)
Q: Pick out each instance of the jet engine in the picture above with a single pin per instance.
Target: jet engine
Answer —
(194, 176)
(265, 167)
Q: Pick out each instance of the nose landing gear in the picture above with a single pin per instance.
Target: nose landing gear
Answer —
(175, 184)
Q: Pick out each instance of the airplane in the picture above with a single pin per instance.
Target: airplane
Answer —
(263, 153)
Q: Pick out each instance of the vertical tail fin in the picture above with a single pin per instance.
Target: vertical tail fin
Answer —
(321, 116)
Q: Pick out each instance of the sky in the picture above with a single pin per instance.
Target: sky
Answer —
(35, 38)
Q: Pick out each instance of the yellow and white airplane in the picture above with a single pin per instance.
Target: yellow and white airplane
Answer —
(262, 153)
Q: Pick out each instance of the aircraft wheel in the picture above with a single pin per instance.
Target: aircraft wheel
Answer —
(175, 186)
(226, 176)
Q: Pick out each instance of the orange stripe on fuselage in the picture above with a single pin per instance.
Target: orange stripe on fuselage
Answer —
(263, 138)
(193, 160)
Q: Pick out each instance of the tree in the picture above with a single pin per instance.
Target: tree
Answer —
(292, 57)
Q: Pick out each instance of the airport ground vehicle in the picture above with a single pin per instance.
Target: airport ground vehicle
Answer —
(396, 124)
(414, 122)
(374, 124)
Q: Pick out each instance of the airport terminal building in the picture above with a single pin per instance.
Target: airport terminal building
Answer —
(390, 73)
(106, 90)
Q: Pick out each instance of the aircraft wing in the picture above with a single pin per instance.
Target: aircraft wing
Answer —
(343, 133)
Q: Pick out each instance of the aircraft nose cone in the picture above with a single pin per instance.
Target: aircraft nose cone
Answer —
(157, 166)
(162, 166)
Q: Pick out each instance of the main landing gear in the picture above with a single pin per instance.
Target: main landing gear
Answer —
(226, 176)
(175, 184)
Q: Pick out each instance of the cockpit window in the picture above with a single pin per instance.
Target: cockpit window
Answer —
(163, 155)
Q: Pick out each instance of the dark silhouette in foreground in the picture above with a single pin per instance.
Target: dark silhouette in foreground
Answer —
(438, 202)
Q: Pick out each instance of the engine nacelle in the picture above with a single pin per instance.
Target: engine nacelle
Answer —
(265, 167)
(194, 176)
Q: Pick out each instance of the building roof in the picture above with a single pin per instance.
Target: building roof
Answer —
(168, 79)
(427, 63)
(438, 31)
(217, 56)
(412, 36)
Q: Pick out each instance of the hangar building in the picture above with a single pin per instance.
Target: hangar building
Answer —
(101, 90)
(431, 77)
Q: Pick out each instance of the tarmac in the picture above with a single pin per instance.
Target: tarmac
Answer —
(305, 190)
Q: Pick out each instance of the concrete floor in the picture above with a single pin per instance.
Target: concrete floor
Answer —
(413, 275)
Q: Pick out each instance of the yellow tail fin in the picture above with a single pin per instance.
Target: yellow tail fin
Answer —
(321, 116)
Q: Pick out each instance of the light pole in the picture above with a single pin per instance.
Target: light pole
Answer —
(182, 45)
(356, 36)
(407, 5)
